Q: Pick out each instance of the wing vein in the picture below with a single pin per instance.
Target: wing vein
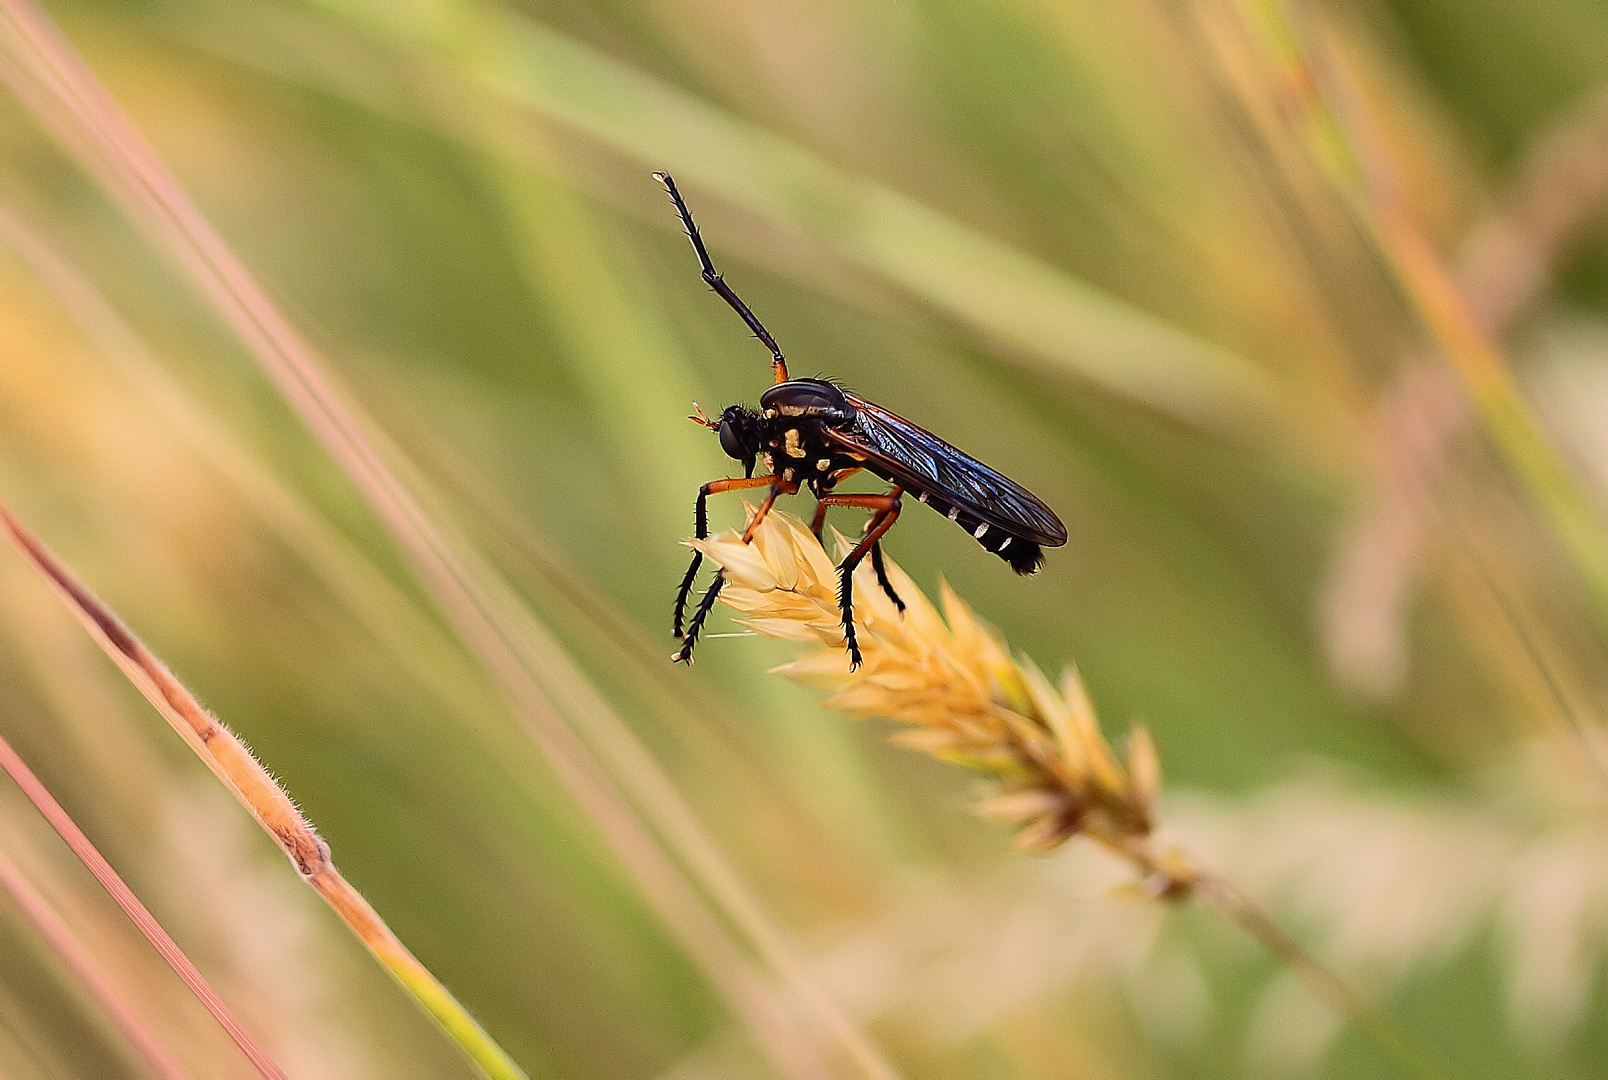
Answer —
(912, 455)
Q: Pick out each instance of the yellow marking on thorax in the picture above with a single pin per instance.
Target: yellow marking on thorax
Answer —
(791, 444)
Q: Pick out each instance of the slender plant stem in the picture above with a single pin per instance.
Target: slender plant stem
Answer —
(1585, 733)
(81, 962)
(1431, 287)
(1321, 979)
(259, 793)
(132, 906)
(1174, 876)
(484, 612)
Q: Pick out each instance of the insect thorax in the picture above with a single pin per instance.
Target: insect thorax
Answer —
(796, 449)
(793, 418)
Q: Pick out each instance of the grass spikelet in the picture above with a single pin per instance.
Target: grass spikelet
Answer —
(957, 689)
(965, 699)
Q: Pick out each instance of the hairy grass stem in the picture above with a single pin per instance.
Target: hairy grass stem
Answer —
(261, 795)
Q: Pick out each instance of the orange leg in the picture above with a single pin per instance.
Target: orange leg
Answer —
(819, 521)
(778, 487)
(880, 503)
(827, 485)
(784, 488)
(887, 512)
(876, 502)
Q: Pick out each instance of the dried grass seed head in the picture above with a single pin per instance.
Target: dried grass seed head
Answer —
(950, 681)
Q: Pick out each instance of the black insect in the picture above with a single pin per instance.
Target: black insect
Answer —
(813, 433)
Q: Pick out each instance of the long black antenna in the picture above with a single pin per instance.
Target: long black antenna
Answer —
(717, 283)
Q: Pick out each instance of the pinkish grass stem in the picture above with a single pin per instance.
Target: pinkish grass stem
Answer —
(259, 793)
(72, 952)
(487, 617)
(141, 916)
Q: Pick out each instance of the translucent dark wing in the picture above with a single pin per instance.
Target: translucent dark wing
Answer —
(914, 456)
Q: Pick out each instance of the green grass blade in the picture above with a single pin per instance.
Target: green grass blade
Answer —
(1047, 318)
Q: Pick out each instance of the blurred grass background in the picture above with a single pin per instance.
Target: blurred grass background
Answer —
(1108, 248)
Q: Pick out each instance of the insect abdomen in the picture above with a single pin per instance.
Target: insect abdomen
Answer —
(1025, 556)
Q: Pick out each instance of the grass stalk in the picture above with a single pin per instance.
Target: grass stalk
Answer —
(132, 906)
(959, 695)
(81, 962)
(1323, 981)
(261, 795)
(1050, 321)
(1373, 182)
(1505, 260)
(539, 686)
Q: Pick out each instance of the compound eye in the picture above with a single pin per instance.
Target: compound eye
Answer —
(731, 441)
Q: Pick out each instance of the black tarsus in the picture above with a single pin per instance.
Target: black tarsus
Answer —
(684, 654)
(700, 530)
(878, 524)
(882, 576)
(700, 527)
(715, 281)
(846, 609)
(685, 591)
